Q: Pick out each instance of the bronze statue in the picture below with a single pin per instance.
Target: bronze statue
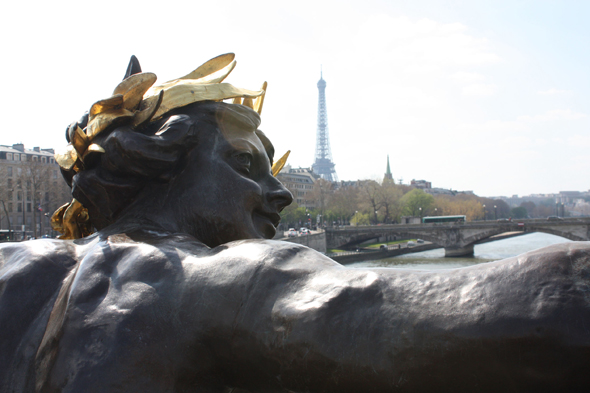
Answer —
(179, 290)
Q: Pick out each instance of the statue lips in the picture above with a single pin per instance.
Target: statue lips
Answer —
(266, 222)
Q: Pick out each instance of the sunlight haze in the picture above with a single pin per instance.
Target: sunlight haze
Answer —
(488, 96)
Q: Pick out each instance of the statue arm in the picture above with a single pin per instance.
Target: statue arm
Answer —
(308, 323)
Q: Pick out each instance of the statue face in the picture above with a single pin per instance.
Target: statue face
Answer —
(226, 191)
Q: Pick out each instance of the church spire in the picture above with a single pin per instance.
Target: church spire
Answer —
(388, 176)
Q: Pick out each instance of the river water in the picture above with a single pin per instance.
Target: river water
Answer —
(487, 252)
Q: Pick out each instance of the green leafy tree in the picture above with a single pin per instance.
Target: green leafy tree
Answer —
(416, 199)
(292, 215)
(518, 212)
(360, 219)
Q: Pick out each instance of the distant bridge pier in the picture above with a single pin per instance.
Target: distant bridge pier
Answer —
(465, 251)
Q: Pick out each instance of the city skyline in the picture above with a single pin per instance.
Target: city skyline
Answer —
(488, 96)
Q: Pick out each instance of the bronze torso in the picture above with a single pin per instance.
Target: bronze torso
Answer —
(155, 312)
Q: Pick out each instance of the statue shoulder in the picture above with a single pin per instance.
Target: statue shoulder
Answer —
(275, 254)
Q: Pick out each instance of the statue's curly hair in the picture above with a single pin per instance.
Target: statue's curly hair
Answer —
(154, 153)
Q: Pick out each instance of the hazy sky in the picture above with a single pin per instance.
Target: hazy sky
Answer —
(489, 96)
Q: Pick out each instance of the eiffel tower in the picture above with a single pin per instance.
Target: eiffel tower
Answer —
(323, 164)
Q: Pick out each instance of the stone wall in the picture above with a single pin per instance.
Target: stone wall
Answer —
(316, 241)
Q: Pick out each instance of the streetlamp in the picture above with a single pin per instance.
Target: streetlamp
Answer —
(24, 225)
(420, 210)
(376, 219)
(495, 212)
(484, 212)
(436, 211)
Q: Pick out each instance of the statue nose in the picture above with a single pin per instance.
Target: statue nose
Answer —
(278, 195)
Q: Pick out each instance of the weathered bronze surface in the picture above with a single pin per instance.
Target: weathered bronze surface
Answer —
(179, 290)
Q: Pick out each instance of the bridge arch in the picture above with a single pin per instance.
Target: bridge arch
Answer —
(551, 231)
(458, 238)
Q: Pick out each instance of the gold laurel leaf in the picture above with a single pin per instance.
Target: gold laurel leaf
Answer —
(216, 77)
(276, 168)
(111, 103)
(147, 108)
(67, 158)
(133, 88)
(260, 100)
(57, 218)
(248, 102)
(79, 141)
(211, 66)
(69, 222)
(186, 93)
(94, 148)
(102, 121)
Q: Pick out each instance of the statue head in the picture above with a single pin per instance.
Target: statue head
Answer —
(201, 167)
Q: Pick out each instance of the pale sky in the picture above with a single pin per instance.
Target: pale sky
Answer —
(488, 96)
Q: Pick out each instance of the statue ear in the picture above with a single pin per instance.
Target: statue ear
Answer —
(133, 67)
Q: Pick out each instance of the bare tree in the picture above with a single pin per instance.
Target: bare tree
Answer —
(389, 197)
(42, 188)
(322, 190)
(369, 196)
(344, 203)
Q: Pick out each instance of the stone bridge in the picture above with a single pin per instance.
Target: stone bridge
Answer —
(457, 239)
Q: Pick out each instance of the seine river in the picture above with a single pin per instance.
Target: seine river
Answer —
(487, 252)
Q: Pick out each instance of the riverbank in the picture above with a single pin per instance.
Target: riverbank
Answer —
(436, 260)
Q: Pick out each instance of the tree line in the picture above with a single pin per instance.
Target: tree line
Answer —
(370, 202)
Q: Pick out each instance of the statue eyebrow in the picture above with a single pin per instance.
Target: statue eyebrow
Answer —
(245, 146)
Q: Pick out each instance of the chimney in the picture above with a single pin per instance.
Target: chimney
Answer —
(19, 147)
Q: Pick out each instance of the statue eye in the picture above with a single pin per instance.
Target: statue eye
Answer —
(244, 160)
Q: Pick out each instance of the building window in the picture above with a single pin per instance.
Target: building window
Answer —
(28, 207)
(9, 156)
(9, 182)
(9, 207)
(19, 171)
(9, 195)
(43, 159)
(55, 174)
(28, 196)
(19, 196)
(9, 171)
(19, 208)
(34, 158)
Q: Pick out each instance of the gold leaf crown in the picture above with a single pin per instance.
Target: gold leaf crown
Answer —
(135, 101)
